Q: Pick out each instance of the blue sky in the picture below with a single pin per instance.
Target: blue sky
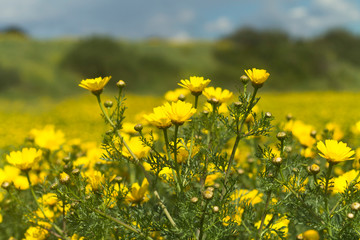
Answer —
(178, 20)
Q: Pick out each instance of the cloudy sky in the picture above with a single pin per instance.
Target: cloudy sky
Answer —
(180, 20)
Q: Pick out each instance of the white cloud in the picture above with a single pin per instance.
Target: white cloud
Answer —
(220, 25)
(181, 37)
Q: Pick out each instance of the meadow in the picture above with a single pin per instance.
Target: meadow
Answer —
(79, 117)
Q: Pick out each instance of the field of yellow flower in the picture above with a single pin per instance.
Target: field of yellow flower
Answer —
(201, 162)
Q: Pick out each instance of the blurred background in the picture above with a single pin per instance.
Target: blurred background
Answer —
(47, 47)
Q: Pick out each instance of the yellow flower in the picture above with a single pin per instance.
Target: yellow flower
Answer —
(281, 223)
(257, 76)
(95, 179)
(301, 131)
(196, 84)
(21, 183)
(221, 109)
(311, 235)
(218, 94)
(342, 182)
(173, 95)
(49, 199)
(335, 129)
(243, 195)
(95, 85)
(237, 217)
(136, 145)
(159, 118)
(179, 112)
(138, 194)
(25, 158)
(334, 151)
(36, 233)
(48, 137)
(64, 177)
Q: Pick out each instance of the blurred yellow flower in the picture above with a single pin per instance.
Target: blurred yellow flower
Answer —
(337, 133)
(25, 158)
(334, 151)
(21, 183)
(236, 218)
(48, 137)
(218, 94)
(95, 85)
(173, 95)
(247, 196)
(356, 128)
(158, 118)
(221, 109)
(136, 146)
(342, 182)
(196, 84)
(281, 223)
(301, 131)
(179, 112)
(138, 194)
(257, 76)
(310, 235)
(49, 199)
(36, 233)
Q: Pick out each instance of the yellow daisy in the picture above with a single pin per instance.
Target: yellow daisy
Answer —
(95, 85)
(257, 76)
(334, 151)
(196, 84)
(217, 93)
(179, 112)
(24, 159)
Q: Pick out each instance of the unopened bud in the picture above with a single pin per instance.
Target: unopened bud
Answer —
(66, 159)
(215, 209)
(314, 169)
(108, 104)
(299, 237)
(281, 136)
(355, 206)
(288, 149)
(241, 171)
(350, 215)
(244, 79)
(121, 84)
(207, 194)
(87, 197)
(138, 127)
(64, 178)
(313, 133)
(75, 171)
(277, 161)
(268, 115)
(54, 186)
(213, 101)
(237, 104)
(194, 199)
(118, 179)
(181, 97)
(210, 189)
(216, 185)
(270, 175)
(205, 112)
(289, 117)
(5, 185)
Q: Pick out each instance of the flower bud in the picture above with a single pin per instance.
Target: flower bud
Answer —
(54, 186)
(244, 79)
(350, 215)
(241, 171)
(5, 185)
(205, 112)
(215, 209)
(299, 237)
(314, 169)
(208, 194)
(108, 104)
(64, 178)
(270, 175)
(194, 199)
(138, 127)
(118, 179)
(277, 161)
(75, 171)
(181, 97)
(216, 185)
(281, 136)
(355, 206)
(66, 159)
(288, 149)
(289, 117)
(121, 84)
(268, 115)
(311, 235)
(237, 104)
(313, 133)
(213, 101)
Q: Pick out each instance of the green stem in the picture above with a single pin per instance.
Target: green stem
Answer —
(264, 214)
(42, 210)
(169, 157)
(196, 101)
(122, 224)
(201, 233)
(177, 168)
(327, 198)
